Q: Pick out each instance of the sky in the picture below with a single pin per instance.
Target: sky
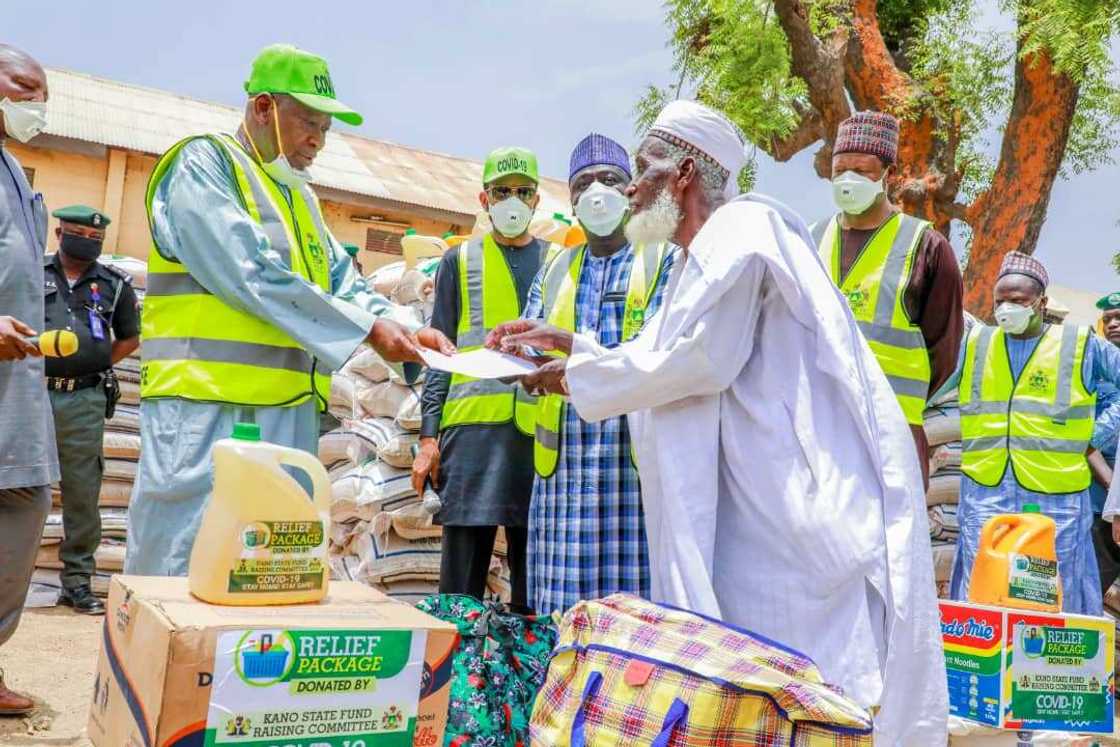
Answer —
(463, 78)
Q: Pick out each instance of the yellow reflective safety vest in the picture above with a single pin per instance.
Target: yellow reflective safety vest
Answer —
(558, 302)
(199, 348)
(488, 297)
(1041, 423)
(875, 287)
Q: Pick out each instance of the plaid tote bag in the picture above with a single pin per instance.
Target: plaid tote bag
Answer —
(630, 672)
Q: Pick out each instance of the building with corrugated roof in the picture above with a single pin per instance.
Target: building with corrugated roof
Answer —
(103, 139)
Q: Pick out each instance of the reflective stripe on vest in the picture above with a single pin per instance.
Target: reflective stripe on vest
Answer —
(196, 346)
(488, 297)
(875, 287)
(1040, 424)
(558, 302)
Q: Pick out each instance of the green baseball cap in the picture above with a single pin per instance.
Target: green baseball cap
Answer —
(510, 160)
(282, 68)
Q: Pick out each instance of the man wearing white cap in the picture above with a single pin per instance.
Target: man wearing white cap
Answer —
(781, 488)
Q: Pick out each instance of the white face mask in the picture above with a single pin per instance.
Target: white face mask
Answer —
(510, 217)
(600, 209)
(1013, 318)
(285, 173)
(855, 193)
(24, 120)
(279, 168)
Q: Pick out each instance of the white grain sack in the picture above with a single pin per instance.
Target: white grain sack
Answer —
(365, 491)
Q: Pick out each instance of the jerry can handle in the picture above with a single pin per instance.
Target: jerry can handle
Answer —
(995, 529)
(321, 496)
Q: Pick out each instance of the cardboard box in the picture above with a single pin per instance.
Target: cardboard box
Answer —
(1029, 671)
(358, 670)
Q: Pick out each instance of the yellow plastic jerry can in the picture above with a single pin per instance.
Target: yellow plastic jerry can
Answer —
(262, 541)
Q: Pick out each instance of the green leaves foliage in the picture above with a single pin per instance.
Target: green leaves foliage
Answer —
(733, 55)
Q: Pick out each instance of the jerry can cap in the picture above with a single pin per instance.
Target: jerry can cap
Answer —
(246, 432)
(1031, 508)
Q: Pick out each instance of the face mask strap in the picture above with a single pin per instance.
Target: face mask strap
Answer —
(276, 129)
(276, 124)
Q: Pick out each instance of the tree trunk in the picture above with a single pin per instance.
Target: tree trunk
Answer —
(854, 60)
(1010, 213)
(925, 158)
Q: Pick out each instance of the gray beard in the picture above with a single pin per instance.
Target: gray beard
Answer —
(657, 223)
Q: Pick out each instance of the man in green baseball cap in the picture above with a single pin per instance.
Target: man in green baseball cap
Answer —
(282, 68)
(251, 301)
(476, 442)
(509, 192)
(291, 105)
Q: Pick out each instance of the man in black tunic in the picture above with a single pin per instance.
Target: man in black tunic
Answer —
(476, 442)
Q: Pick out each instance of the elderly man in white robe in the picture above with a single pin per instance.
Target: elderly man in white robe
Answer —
(781, 488)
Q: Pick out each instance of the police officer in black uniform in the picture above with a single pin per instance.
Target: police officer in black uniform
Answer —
(98, 304)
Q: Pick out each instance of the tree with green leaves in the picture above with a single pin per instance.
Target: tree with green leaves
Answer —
(789, 71)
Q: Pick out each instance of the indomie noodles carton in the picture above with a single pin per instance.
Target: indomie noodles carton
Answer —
(1030, 671)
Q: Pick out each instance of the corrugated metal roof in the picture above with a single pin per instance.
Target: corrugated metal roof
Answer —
(97, 110)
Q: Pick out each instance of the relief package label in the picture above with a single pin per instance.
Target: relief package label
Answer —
(1060, 675)
(1032, 579)
(276, 557)
(315, 688)
(972, 639)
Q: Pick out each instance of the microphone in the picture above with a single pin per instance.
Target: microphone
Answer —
(56, 343)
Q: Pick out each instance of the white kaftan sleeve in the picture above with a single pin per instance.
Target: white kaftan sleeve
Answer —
(704, 360)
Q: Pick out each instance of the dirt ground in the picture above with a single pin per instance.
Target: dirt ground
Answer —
(53, 658)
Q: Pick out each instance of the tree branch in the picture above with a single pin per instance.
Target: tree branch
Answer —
(821, 65)
(808, 131)
(874, 79)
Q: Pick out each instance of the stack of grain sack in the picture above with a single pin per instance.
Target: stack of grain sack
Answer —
(381, 534)
(121, 453)
(943, 431)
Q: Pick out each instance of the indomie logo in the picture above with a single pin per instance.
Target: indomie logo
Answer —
(970, 629)
(323, 85)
